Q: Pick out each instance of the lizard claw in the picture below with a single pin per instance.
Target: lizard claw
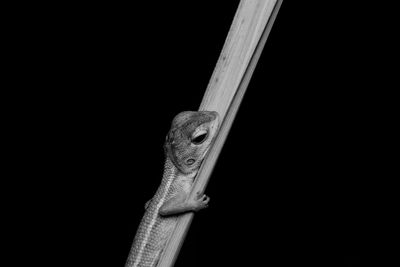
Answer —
(201, 202)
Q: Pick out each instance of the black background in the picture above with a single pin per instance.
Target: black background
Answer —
(294, 183)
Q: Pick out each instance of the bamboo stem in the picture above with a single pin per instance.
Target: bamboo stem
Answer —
(246, 38)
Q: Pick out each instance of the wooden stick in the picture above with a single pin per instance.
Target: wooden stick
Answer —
(246, 38)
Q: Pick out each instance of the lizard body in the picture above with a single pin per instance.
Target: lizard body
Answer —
(186, 145)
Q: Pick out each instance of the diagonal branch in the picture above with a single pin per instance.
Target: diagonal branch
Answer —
(246, 38)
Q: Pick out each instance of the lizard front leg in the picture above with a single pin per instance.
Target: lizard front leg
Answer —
(178, 204)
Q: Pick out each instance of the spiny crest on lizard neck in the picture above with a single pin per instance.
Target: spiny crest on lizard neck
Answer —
(190, 137)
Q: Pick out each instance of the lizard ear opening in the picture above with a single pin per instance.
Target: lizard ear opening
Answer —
(190, 161)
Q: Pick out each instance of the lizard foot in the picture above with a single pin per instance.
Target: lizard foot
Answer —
(200, 202)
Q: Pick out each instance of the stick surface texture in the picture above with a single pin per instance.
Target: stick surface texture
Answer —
(246, 38)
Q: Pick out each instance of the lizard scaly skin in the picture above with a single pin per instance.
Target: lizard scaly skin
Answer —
(186, 145)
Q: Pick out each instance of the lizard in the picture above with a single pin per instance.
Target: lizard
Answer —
(186, 144)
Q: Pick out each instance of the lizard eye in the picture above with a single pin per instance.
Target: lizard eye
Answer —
(199, 139)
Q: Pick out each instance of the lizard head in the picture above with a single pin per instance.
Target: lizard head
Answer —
(190, 137)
